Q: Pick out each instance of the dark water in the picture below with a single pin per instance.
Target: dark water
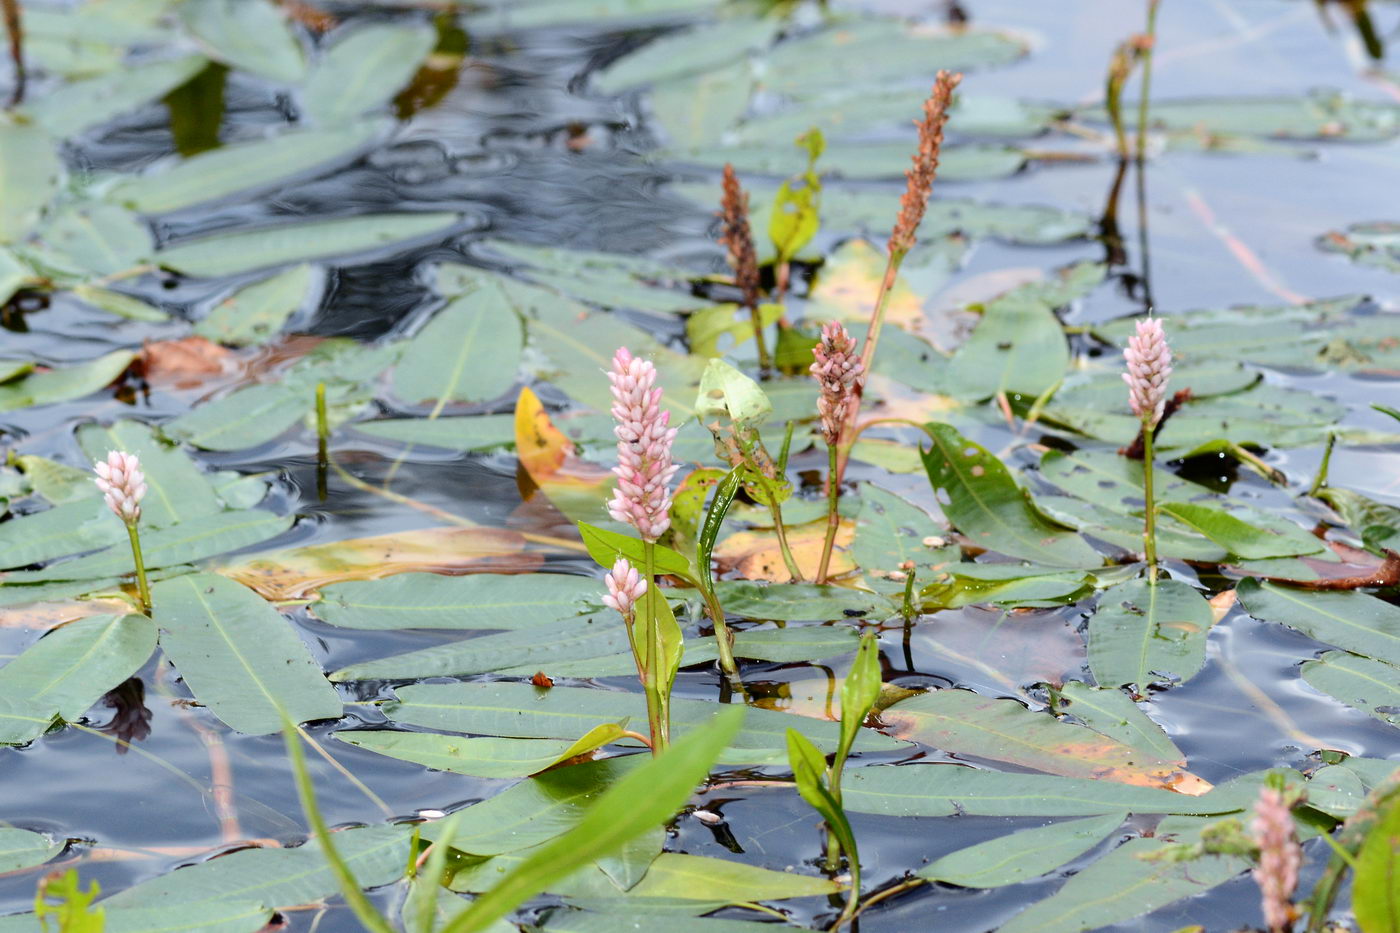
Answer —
(495, 150)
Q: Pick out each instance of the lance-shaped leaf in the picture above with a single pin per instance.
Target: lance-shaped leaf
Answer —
(639, 802)
(20, 848)
(1360, 623)
(249, 34)
(468, 352)
(809, 774)
(364, 70)
(1376, 890)
(239, 656)
(982, 500)
(1359, 682)
(1143, 632)
(1238, 536)
(1113, 713)
(606, 546)
(1023, 855)
(474, 601)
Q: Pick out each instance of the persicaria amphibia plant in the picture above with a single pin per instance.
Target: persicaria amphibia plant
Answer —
(1280, 858)
(840, 376)
(123, 487)
(1149, 364)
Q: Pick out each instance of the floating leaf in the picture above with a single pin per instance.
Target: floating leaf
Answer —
(890, 531)
(468, 352)
(577, 488)
(1367, 244)
(961, 722)
(481, 757)
(465, 433)
(1121, 886)
(965, 584)
(241, 167)
(277, 877)
(1143, 632)
(756, 555)
(693, 111)
(60, 385)
(986, 505)
(476, 601)
(80, 105)
(798, 602)
(248, 34)
(239, 656)
(255, 313)
(30, 170)
(1003, 650)
(85, 525)
(364, 70)
(856, 160)
(699, 50)
(1240, 537)
(1355, 621)
(20, 848)
(1358, 682)
(1113, 713)
(1022, 856)
(566, 712)
(247, 418)
(245, 250)
(945, 790)
(1319, 115)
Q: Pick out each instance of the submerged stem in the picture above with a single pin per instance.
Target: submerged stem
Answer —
(142, 587)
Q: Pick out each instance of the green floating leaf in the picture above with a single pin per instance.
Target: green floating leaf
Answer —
(583, 922)
(20, 848)
(246, 250)
(61, 385)
(1023, 855)
(57, 482)
(171, 918)
(539, 646)
(251, 35)
(695, 110)
(468, 352)
(967, 584)
(1367, 244)
(476, 601)
(30, 170)
(85, 525)
(275, 877)
(612, 280)
(1377, 523)
(1113, 713)
(242, 167)
(488, 757)
(890, 531)
(1360, 683)
(569, 13)
(1019, 348)
(239, 656)
(566, 712)
(80, 105)
(1144, 632)
(65, 673)
(808, 643)
(798, 602)
(255, 313)
(982, 500)
(1121, 886)
(364, 70)
(1351, 620)
(1318, 115)
(700, 50)
(464, 433)
(856, 160)
(247, 418)
(963, 723)
(1240, 537)
(644, 799)
(943, 790)
(118, 303)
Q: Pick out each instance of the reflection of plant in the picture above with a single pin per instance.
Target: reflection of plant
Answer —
(123, 487)
(1149, 362)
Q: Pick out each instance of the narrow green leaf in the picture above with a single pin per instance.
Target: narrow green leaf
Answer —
(487, 757)
(364, 70)
(605, 547)
(723, 497)
(468, 352)
(1022, 855)
(1142, 632)
(1240, 537)
(80, 105)
(1356, 621)
(476, 601)
(239, 656)
(647, 797)
(1375, 895)
(255, 313)
(252, 35)
(64, 383)
(859, 691)
(808, 769)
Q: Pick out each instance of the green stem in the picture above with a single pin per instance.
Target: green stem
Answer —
(846, 440)
(907, 610)
(142, 587)
(765, 362)
(1320, 479)
(323, 432)
(777, 512)
(1149, 521)
(368, 916)
(1144, 100)
(833, 520)
(657, 718)
(723, 638)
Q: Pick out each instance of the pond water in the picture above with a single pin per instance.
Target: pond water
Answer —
(517, 141)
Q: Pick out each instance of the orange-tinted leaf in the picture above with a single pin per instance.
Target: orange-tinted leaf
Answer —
(574, 486)
(187, 363)
(755, 554)
(51, 615)
(293, 573)
(964, 723)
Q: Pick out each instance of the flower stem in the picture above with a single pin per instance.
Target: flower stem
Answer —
(657, 702)
(1320, 480)
(1144, 98)
(833, 520)
(322, 440)
(1149, 519)
(776, 510)
(867, 358)
(724, 638)
(142, 587)
(765, 362)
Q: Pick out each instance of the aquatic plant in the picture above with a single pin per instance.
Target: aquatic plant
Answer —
(123, 487)
(1149, 364)
(1280, 858)
(738, 240)
(840, 374)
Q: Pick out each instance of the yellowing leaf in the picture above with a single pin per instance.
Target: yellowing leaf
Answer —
(755, 554)
(573, 485)
(293, 573)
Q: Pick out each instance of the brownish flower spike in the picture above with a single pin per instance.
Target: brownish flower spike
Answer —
(920, 177)
(737, 237)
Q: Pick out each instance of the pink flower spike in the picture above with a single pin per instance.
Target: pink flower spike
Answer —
(123, 485)
(625, 587)
(644, 437)
(1149, 362)
(839, 372)
(1280, 858)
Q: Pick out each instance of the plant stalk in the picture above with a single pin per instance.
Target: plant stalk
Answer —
(1320, 480)
(833, 520)
(724, 638)
(867, 357)
(777, 512)
(657, 714)
(765, 362)
(1144, 99)
(322, 440)
(142, 586)
(1149, 519)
